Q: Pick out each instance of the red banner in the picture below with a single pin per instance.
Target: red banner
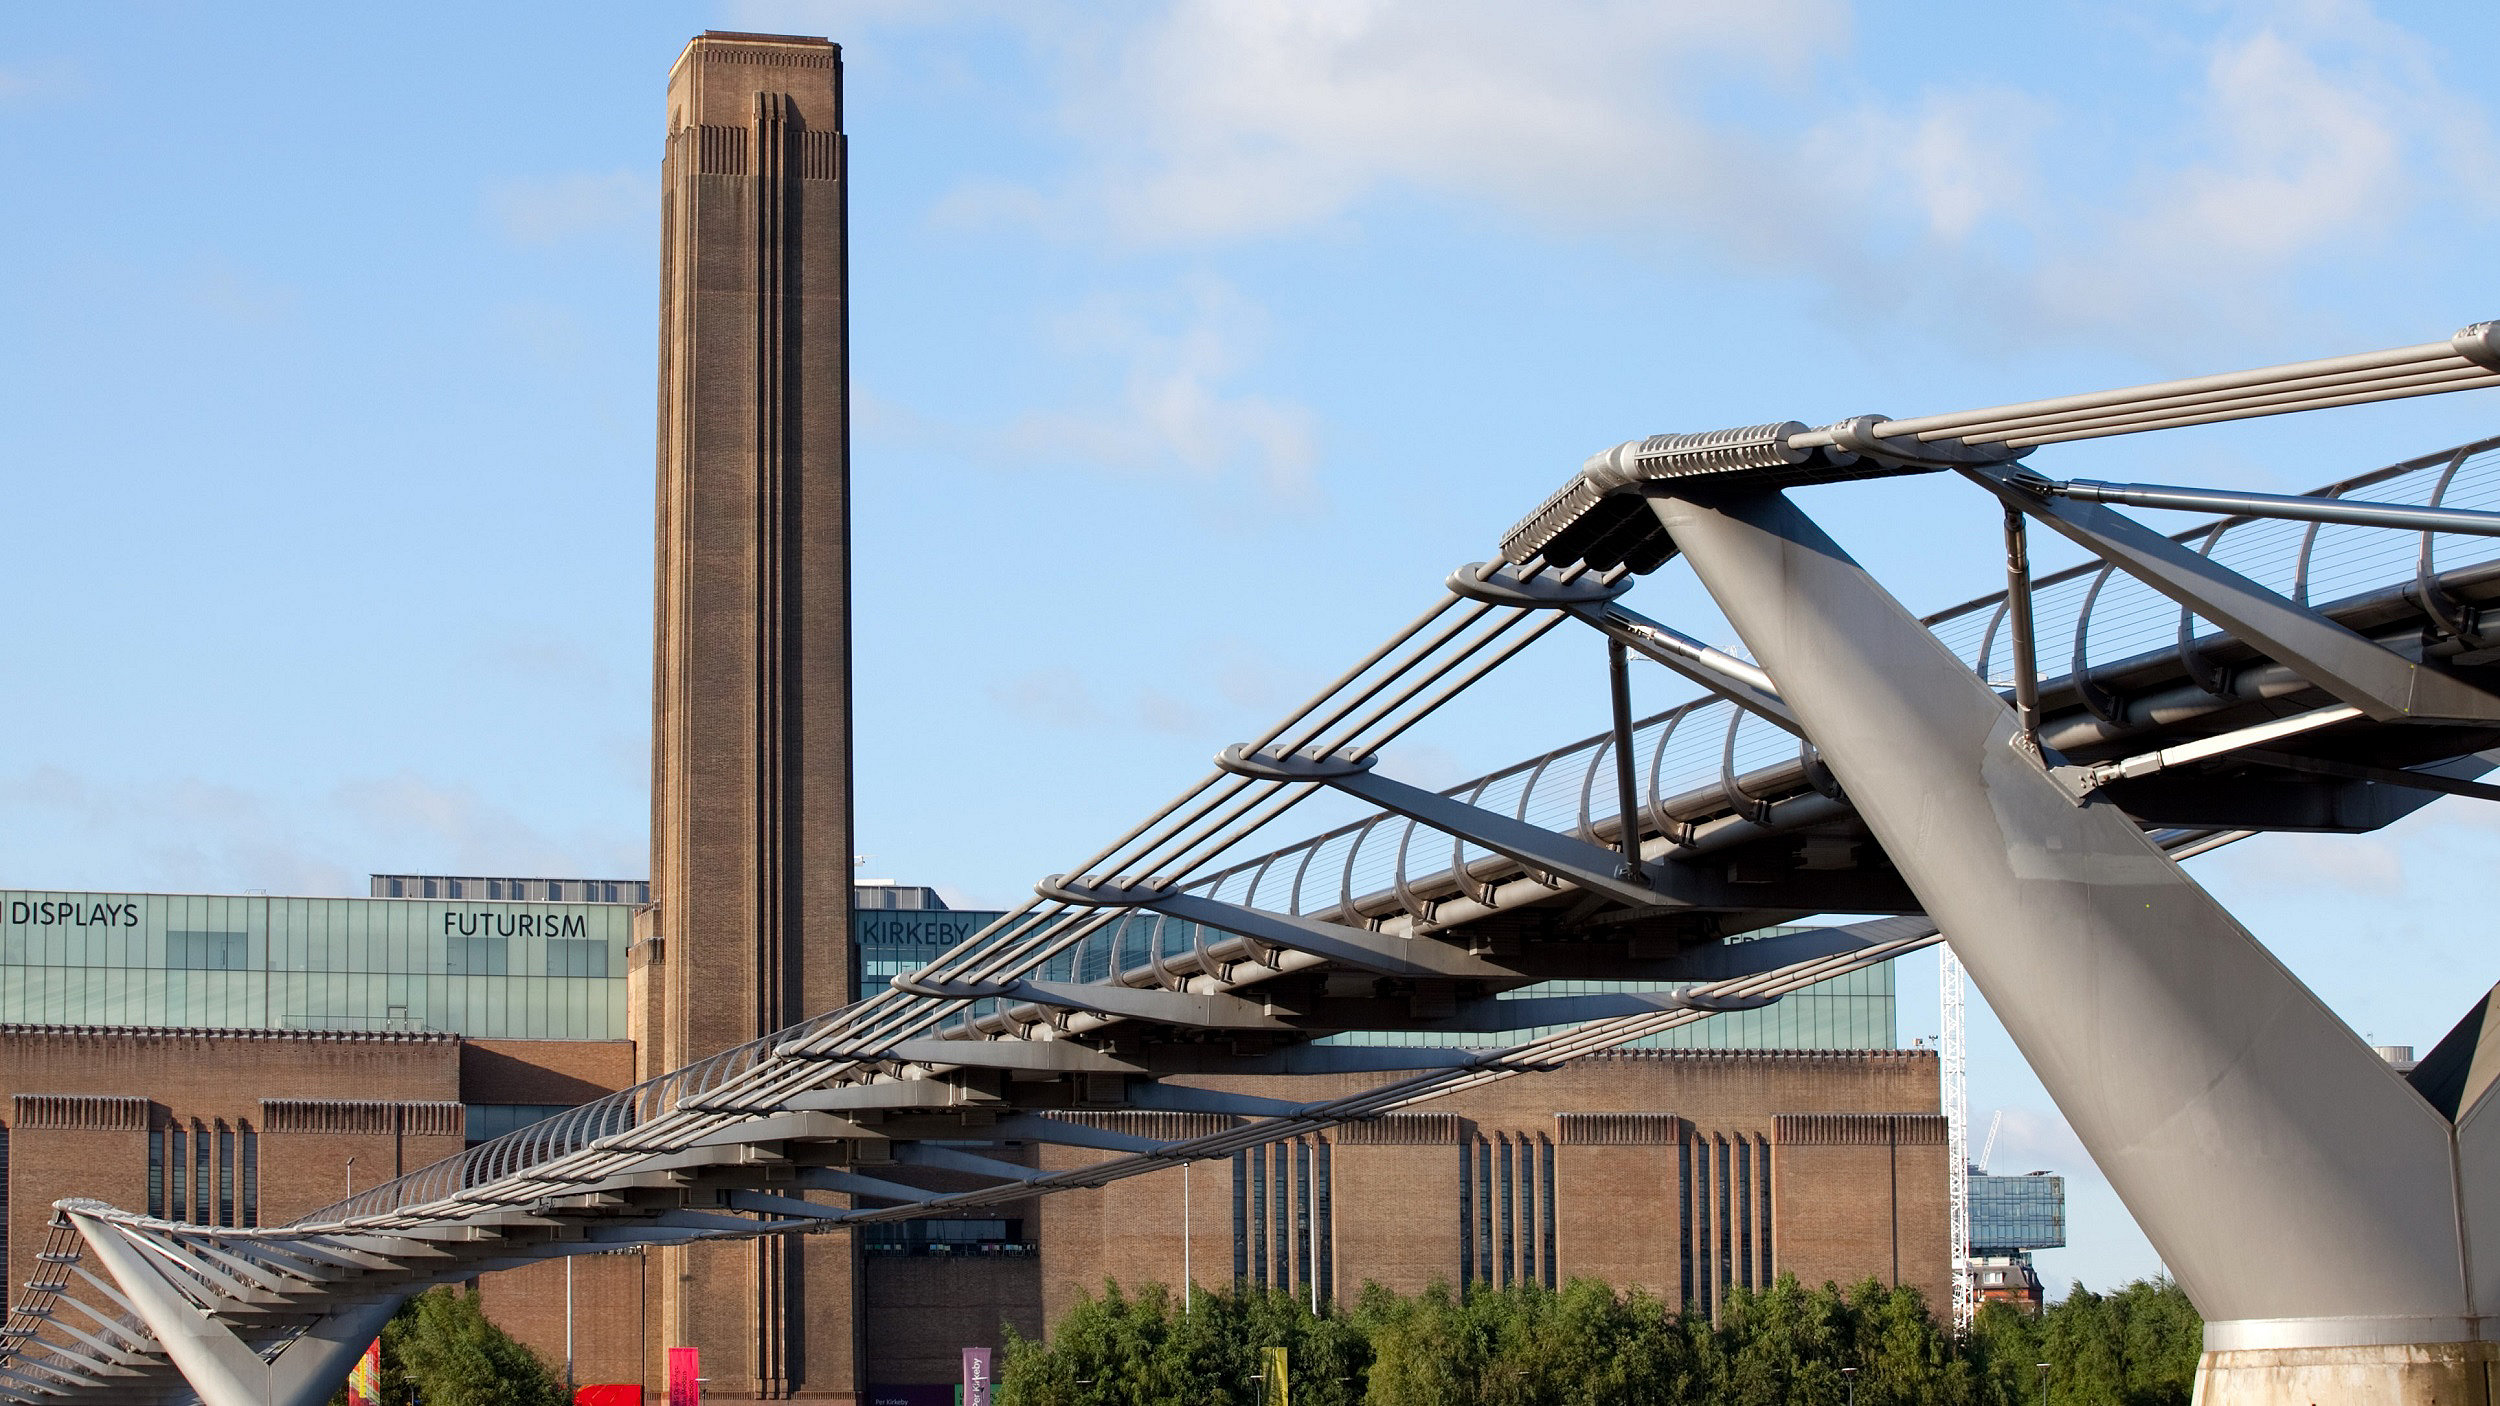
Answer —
(364, 1384)
(685, 1385)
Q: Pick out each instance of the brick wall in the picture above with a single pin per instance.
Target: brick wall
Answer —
(1640, 1142)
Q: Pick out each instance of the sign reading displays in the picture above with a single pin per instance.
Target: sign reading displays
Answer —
(74, 912)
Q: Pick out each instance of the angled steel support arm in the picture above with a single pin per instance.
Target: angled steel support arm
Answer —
(1193, 1010)
(1591, 867)
(1359, 948)
(889, 1096)
(1713, 668)
(1531, 1012)
(1583, 864)
(1031, 1056)
(969, 1164)
(1181, 1098)
(2362, 672)
(856, 1184)
(1036, 1127)
(2303, 1195)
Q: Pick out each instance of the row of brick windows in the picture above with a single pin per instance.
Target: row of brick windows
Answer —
(1723, 1202)
(206, 1173)
(1506, 1211)
(1284, 1209)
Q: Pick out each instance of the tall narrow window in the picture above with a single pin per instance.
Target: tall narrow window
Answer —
(174, 1163)
(1484, 1210)
(1684, 1213)
(1762, 1218)
(251, 1176)
(1466, 1216)
(1241, 1218)
(1527, 1212)
(1545, 1206)
(1302, 1215)
(1258, 1216)
(156, 1172)
(1280, 1223)
(1506, 1251)
(1327, 1198)
(201, 1206)
(1744, 1212)
(225, 1175)
(1727, 1246)
(1706, 1285)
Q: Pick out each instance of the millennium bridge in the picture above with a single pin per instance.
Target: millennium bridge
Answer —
(2019, 774)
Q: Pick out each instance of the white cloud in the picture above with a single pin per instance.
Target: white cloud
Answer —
(1220, 119)
(1053, 697)
(186, 834)
(1743, 130)
(238, 294)
(1059, 697)
(38, 82)
(1175, 410)
(2361, 864)
(553, 209)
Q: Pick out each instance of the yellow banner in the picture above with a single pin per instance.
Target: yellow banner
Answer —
(1275, 1378)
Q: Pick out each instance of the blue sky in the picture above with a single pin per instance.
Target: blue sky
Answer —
(1193, 344)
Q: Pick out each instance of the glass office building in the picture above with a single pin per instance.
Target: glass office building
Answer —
(2009, 1215)
(514, 970)
(1854, 1011)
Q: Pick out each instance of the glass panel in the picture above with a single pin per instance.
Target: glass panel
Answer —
(530, 970)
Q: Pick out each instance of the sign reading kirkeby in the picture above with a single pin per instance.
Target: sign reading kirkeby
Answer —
(976, 1376)
(685, 1376)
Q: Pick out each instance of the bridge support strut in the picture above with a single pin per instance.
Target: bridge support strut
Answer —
(2317, 1209)
(219, 1366)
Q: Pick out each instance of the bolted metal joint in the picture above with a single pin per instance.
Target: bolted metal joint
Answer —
(1071, 889)
(1864, 435)
(2479, 344)
(1541, 590)
(1268, 766)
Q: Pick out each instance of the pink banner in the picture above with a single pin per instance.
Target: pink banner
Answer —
(685, 1367)
(976, 1376)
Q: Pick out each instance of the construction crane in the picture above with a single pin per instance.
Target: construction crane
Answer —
(1988, 1149)
(1953, 1057)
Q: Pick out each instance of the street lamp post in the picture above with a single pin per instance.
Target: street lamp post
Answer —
(2044, 1384)
(1849, 1375)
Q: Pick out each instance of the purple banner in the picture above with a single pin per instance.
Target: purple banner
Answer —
(976, 1376)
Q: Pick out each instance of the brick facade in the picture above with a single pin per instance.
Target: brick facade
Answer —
(84, 1102)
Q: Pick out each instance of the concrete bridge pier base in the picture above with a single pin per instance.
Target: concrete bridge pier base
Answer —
(2405, 1374)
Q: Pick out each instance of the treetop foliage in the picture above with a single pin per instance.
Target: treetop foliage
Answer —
(1587, 1345)
(441, 1344)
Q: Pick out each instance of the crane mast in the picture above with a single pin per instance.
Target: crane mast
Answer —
(1953, 1060)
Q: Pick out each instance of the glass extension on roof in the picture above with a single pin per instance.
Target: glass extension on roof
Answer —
(1853, 1011)
(549, 971)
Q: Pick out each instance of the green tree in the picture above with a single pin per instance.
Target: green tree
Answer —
(1144, 1349)
(441, 1343)
(1587, 1345)
(2134, 1346)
